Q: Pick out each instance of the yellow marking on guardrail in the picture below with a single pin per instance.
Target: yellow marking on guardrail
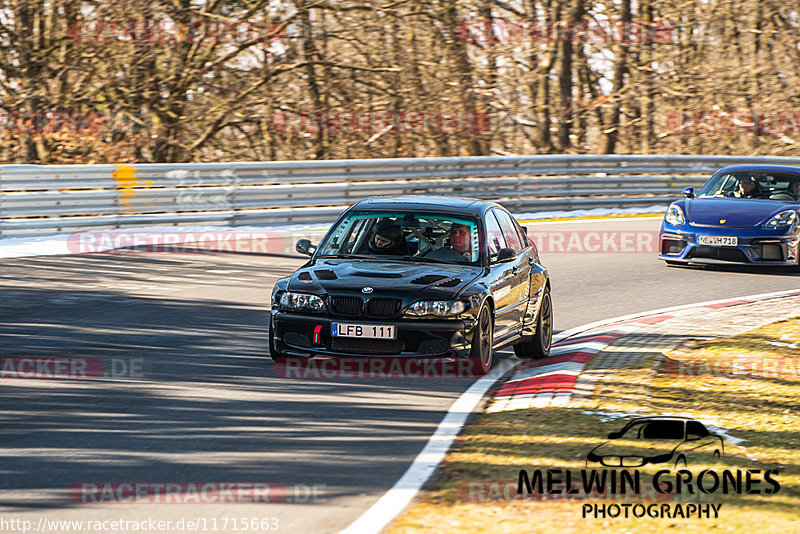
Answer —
(126, 182)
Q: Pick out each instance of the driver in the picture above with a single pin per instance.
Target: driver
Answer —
(388, 239)
(460, 248)
(748, 188)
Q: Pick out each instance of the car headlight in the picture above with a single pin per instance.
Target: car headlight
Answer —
(301, 301)
(674, 215)
(782, 220)
(439, 308)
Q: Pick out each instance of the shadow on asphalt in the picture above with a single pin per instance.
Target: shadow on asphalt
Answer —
(737, 268)
(205, 407)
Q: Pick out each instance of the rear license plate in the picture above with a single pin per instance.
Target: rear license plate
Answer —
(364, 331)
(718, 240)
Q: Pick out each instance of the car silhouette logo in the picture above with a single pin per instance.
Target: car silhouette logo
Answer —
(657, 440)
(722, 221)
(366, 290)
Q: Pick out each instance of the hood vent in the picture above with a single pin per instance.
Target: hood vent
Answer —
(305, 276)
(428, 279)
(453, 282)
(326, 274)
(378, 274)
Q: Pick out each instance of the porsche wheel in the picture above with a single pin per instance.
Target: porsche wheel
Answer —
(538, 346)
(481, 354)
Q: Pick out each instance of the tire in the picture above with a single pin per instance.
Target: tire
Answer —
(538, 347)
(481, 353)
(681, 460)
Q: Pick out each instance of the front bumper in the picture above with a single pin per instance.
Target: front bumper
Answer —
(756, 246)
(294, 335)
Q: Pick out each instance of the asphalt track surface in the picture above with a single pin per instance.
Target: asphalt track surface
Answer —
(203, 404)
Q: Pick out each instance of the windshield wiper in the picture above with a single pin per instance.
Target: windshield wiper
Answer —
(431, 260)
(349, 256)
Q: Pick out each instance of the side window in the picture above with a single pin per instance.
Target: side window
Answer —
(509, 230)
(494, 235)
(695, 430)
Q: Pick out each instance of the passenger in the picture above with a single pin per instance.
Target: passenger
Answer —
(794, 189)
(388, 240)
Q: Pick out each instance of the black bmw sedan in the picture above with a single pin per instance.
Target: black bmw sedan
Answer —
(416, 277)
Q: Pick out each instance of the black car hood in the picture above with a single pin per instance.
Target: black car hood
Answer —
(385, 277)
(740, 212)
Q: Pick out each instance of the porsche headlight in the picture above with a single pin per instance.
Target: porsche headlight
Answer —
(301, 302)
(782, 220)
(674, 215)
(438, 308)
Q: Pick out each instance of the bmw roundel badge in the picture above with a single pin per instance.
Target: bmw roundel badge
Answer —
(366, 289)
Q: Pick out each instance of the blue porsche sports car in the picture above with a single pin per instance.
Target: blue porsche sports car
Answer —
(746, 214)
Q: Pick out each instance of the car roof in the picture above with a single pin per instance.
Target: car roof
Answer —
(761, 168)
(427, 203)
(661, 418)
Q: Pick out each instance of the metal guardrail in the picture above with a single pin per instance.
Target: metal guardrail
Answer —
(45, 199)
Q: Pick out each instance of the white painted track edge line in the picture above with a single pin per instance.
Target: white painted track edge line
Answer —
(404, 490)
(400, 495)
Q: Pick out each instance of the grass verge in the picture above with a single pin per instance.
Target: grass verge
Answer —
(746, 387)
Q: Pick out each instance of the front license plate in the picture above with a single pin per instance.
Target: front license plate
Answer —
(365, 331)
(718, 240)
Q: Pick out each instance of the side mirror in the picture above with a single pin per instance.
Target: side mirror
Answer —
(506, 255)
(688, 192)
(304, 246)
(615, 435)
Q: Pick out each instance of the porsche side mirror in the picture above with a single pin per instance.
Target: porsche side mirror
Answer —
(304, 246)
(688, 192)
(506, 255)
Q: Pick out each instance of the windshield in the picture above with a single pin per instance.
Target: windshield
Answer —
(752, 184)
(655, 430)
(420, 237)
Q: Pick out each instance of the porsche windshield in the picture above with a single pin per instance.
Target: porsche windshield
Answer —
(752, 184)
(419, 237)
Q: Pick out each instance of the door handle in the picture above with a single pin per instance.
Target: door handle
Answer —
(515, 270)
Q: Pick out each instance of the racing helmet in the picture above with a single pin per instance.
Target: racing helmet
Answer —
(387, 231)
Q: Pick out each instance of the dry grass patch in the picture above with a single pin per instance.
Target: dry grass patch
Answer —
(758, 407)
